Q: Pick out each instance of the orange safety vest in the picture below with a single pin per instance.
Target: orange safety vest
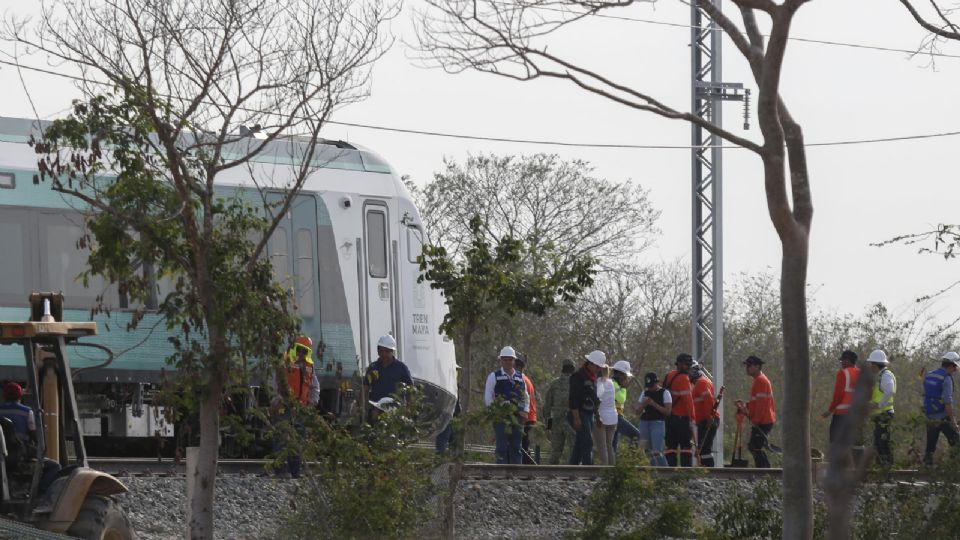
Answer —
(532, 415)
(760, 406)
(843, 390)
(703, 400)
(680, 391)
(299, 379)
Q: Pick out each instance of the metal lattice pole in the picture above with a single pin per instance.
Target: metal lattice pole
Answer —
(707, 95)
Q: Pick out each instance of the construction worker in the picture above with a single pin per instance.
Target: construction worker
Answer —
(938, 405)
(24, 422)
(25, 428)
(759, 410)
(843, 390)
(298, 381)
(555, 407)
(621, 380)
(521, 364)
(682, 420)
(881, 403)
(708, 417)
(507, 385)
(385, 375)
(582, 405)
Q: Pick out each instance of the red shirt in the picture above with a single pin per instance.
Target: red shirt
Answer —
(760, 407)
(679, 386)
(843, 390)
(532, 415)
(703, 400)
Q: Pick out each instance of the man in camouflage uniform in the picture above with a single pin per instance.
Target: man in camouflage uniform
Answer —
(555, 409)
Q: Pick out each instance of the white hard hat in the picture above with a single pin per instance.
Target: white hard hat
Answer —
(951, 357)
(387, 342)
(384, 403)
(878, 357)
(598, 358)
(623, 366)
(508, 352)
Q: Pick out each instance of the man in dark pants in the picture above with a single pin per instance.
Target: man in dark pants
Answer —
(506, 385)
(681, 423)
(938, 405)
(583, 407)
(531, 421)
(760, 411)
(881, 402)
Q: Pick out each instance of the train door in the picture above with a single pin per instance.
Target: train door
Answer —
(293, 253)
(377, 280)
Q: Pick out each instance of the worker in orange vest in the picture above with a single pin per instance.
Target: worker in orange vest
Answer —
(680, 425)
(843, 390)
(708, 417)
(521, 364)
(759, 410)
(301, 381)
(297, 380)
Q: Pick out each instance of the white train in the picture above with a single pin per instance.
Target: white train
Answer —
(347, 248)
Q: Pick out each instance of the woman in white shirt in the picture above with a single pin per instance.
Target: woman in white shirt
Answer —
(609, 419)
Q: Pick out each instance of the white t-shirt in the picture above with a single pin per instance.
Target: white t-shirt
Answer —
(608, 406)
(666, 397)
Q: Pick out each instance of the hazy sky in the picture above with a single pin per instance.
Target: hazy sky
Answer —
(862, 193)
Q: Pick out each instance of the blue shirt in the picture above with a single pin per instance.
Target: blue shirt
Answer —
(384, 380)
(21, 416)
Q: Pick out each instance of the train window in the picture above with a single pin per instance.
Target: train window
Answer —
(414, 243)
(15, 263)
(279, 257)
(64, 261)
(305, 273)
(8, 180)
(377, 244)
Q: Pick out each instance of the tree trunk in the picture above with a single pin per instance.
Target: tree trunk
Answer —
(795, 416)
(201, 507)
(466, 337)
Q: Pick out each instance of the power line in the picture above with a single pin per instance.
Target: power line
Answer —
(543, 142)
(800, 39)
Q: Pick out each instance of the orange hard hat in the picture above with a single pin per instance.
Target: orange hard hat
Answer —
(305, 341)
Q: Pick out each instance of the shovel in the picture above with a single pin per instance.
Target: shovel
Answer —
(737, 459)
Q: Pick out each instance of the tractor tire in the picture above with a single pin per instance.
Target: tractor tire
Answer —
(101, 518)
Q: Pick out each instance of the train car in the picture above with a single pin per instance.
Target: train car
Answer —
(347, 249)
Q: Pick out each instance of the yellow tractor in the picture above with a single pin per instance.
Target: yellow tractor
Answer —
(46, 481)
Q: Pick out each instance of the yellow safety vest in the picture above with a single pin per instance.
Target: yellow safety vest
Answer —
(878, 394)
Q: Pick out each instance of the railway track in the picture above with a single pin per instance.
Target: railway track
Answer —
(487, 471)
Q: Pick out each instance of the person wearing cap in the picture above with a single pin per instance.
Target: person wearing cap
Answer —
(620, 372)
(385, 375)
(938, 405)
(507, 385)
(708, 417)
(881, 403)
(681, 422)
(521, 364)
(655, 403)
(24, 422)
(759, 410)
(555, 408)
(843, 390)
(582, 405)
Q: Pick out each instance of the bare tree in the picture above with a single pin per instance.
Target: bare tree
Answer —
(939, 23)
(543, 199)
(510, 39)
(203, 88)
